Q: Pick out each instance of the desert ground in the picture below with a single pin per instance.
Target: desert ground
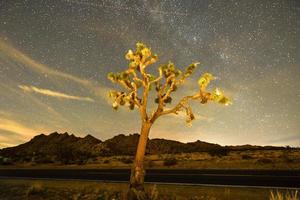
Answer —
(252, 159)
(92, 190)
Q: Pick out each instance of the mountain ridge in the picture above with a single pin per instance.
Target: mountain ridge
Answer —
(65, 146)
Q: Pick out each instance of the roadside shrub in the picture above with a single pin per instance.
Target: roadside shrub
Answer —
(5, 161)
(286, 156)
(76, 196)
(264, 161)
(126, 160)
(220, 152)
(246, 157)
(112, 195)
(94, 159)
(35, 189)
(81, 162)
(288, 148)
(280, 196)
(160, 157)
(106, 161)
(170, 162)
(43, 160)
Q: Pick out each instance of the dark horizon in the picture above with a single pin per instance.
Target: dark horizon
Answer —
(166, 139)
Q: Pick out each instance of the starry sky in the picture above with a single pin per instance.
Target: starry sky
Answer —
(55, 54)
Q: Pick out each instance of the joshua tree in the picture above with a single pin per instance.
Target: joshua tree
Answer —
(137, 83)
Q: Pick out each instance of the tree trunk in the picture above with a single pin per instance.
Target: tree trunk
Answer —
(136, 188)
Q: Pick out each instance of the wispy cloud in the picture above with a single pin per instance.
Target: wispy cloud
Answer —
(53, 93)
(34, 65)
(13, 132)
(7, 49)
(15, 127)
(15, 93)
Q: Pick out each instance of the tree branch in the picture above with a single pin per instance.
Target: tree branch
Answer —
(179, 105)
(204, 96)
(170, 90)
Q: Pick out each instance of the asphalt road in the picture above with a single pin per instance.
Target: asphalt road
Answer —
(266, 178)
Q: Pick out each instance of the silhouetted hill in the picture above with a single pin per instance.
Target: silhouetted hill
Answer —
(68, 148)
(159, 146)
(122, 144)
(55, 146)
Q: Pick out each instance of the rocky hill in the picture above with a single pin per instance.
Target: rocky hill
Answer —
(67, 148)
(55, 146)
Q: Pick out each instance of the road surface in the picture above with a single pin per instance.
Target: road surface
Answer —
(266, 178)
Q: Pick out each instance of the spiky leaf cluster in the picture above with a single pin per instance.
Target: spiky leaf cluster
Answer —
(219, 97)
(168, 79)
(122, 98)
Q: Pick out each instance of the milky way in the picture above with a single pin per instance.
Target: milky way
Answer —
(55, 54)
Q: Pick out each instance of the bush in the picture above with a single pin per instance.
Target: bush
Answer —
(106, 161)
(220, 152)
(286, 156)
(5, 161)
(81, 162)
(264, 161)
(246, 157)
(126, 160)
(105, 195)
(35, 189)
(170, 162)
(43, 160)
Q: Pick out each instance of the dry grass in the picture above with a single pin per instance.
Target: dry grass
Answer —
(91, 190)
(35, 189)
(254, 159)
(258, 159)
(284, 196)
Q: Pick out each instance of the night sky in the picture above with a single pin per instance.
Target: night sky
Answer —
(55, 54)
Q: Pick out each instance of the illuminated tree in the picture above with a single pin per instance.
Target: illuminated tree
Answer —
(137, 83)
